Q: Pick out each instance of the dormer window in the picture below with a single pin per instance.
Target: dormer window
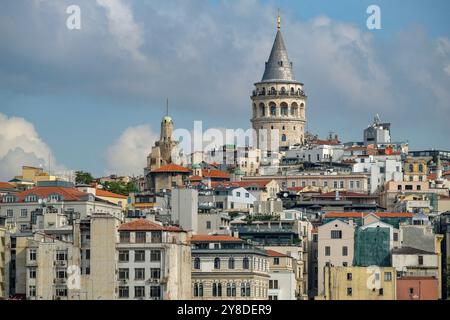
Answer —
(9, 199)
(54, 197)
(31, 198)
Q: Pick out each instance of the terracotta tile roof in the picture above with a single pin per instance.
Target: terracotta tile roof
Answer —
(6, 185)
(446, 173)
(195, 178)
(68, 194)
(431, 176)
(326, 142)
(108, 194)
(363, 214)
(147, 225)
(172, 167)
(214, 173)
(243, 183)
(214, 238)
(417, 278)
(273, 253)
(315, 230)
(296, 189)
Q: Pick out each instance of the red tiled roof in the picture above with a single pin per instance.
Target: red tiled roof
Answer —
(68, 194)
(108, 194)
(417, 278)
(326, 142)
(360, 214)
(172, 167)
(6, 185)
(315, 230)
(295, 188)
(431, 176)
(147, 225)
(446, 173)
(243, 183)
(214, 173)
(273, 253)
(214, 238)
(195, 178)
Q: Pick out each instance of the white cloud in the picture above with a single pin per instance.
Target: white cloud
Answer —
(128, 154)
(123, 27)
(21, 145)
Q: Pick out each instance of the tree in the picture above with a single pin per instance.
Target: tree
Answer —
(82, 177)
(120, 187)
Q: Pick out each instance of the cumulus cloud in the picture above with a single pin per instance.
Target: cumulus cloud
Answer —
(128, 154)
(21, 145)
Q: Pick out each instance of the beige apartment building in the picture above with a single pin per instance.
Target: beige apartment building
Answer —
(335, 248)
(228, 268)
(359, 283)
(354, 182)
(283, 280)
(154, 262)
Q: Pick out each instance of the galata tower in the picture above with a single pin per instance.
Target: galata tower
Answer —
(278, 102)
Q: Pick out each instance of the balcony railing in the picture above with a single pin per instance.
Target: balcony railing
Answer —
(299, 93)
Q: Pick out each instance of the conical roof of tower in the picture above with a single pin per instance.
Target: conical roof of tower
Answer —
(278, 67)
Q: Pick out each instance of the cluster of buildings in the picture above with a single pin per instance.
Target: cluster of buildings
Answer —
(312, 219)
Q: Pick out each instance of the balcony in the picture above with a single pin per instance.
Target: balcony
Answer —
(299, 93)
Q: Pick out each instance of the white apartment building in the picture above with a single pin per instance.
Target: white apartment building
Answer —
(154, 262)
(317, 153)
(227, 198)
(282, 282)
(380, 170)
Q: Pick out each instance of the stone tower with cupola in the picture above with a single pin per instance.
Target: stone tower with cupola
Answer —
(278, 102)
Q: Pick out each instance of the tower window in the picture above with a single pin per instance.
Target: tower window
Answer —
(273, 110)
(283, 138)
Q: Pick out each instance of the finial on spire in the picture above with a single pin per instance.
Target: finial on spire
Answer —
(279, 20)
(167, 106)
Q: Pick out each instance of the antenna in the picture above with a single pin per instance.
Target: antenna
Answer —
(167, 106)
(278, 20)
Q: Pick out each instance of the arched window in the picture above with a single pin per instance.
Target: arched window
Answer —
(245, 263)
(273, 91)
(231, 263)
(294, 109)
(233, 289)
(273, 110)
(245, 289)
(228, 289)
(284, 109)
(283, 90)
(254, 110)
(197, 263)
(283, 137)
(292, 91)
(420, 167)
(263, 91)
(219, 289)
(217, 263)
(196, 289)
(200, 289)
(214, 289)
(411, 168)
(262, 109)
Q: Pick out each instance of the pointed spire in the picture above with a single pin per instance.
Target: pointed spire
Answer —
(278, 67)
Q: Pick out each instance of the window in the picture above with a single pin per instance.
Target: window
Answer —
(197, 263)
(156, 236)
(217, 289)
(245, 263)
(139, 292)
(61, 292)
(349, 291)
(336, 234)
(345, 251)
(124, 274)
(139, 255)
(9, 213)
(61, 274)
(155, 292)
(381, 291)
(247, 195)
(54, 197)
(276, 261)
(420, 260)
(399, 187)
(124, 237)
(344, 264)
(155, 273)
(32, 255)
(327, 251)
(23, 213)
(341, 184)
(124, 292)
(124, 256)
(408, 187)
(139, 274)
(418, 187)
(32, 273)
(349, 276)
(87, 254)
(155, 255)
(335, 184)
(352, 184)
(411, 290)
(387, 276)
(238, 194)
(273, 284)
(61, 255)
(32, 291)
(208, 224)
(231, 263)
(395, 236)
(283, 137)
(140, 237)
(358, 184)
(217, 263)
(273, 110)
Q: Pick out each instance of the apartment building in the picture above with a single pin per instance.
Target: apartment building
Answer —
(3, 270)
(335, 248)
(228, 268)
(359, 283)
(282, 282)
(154, 262)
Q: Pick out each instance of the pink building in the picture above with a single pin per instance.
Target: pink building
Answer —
(417, 288)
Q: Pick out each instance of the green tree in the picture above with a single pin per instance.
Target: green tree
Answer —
(82, 177)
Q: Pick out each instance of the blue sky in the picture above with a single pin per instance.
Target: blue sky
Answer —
(94, 97)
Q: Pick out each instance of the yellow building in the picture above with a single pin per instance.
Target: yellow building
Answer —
(3, 274)
(415, 169)
(31, 176)
(359, 283)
